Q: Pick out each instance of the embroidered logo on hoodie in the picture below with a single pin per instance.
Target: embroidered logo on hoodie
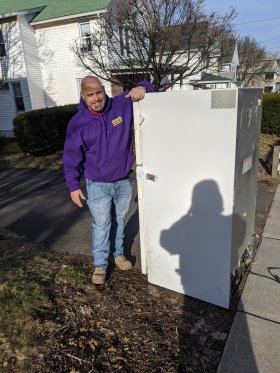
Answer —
(117, 121)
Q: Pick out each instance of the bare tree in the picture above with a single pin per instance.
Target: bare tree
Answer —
(165, 41)
(253, 62)
(11, 61)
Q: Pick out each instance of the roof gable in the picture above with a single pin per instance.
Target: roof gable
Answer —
(52, 8)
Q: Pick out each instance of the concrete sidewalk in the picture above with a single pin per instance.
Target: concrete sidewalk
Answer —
(253, 344)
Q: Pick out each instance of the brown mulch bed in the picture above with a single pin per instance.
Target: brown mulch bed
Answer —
(53, 320)
(71, 326)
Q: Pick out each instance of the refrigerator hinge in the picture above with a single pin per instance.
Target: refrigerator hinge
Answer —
(141, 118)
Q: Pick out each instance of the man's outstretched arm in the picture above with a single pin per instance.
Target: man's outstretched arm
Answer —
(138, 93)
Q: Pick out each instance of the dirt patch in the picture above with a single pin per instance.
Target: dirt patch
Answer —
(53, 320)
(11, 156)
(58, 322)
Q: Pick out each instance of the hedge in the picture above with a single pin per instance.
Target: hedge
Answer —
(271, 113)
(43, 131)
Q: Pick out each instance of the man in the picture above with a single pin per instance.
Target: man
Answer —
(98, 145)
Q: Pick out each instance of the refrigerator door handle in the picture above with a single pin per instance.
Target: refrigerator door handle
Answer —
(143, 174)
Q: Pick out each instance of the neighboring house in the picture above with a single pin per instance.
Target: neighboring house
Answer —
(271, 81)
(263, 73)
(268, 78)
(277, 83)
(211, 81)
(219, 75)
(37, 67)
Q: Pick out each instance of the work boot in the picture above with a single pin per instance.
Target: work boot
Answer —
(99, 276)
(123, 263)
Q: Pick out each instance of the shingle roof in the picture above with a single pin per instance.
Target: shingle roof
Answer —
(211, 77)
(52, 8)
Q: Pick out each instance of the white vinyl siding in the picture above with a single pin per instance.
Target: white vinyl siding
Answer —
(26, 94)
(61, 73)
(32, 63)
(41, 58)
(12, 70)
(8, 108)
(12, 65)
(6, 112)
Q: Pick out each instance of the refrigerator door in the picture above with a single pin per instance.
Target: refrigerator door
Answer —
(246, 161)
(185, 152)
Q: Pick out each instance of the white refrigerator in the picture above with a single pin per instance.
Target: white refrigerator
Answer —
(196, 156)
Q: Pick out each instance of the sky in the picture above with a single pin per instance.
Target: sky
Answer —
(266, 31)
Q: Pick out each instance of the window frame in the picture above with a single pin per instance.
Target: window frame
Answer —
(124, 40)
(16, 98)
(268, 89)
(3, 52)
(269, 75)
(86, 45)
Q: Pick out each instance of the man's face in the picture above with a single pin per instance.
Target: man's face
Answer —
(94, 95)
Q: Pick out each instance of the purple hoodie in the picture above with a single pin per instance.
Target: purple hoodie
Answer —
(99, 146)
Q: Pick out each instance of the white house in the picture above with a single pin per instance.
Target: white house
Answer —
(221, 75)
(271, 78)
(37, 65)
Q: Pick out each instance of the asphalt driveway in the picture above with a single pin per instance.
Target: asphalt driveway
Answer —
(35, 204)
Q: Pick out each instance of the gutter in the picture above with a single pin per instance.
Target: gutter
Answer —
(72, 16)
(210, 81)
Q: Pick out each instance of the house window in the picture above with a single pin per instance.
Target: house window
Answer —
(269, 76)
(18, 96)
(4, 86)
(85, 37)
(206, 62)
(2, 45)
(268, 89)
(124, 41)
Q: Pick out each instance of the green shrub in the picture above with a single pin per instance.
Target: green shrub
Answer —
(43, 131)
(271, 113)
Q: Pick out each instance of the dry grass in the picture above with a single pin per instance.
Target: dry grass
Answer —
(12, 157)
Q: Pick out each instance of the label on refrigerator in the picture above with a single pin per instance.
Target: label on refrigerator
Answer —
(247, 164)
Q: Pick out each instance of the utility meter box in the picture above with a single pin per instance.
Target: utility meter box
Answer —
(196, 156)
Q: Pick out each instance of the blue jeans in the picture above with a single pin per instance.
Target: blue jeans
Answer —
(108, 204)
